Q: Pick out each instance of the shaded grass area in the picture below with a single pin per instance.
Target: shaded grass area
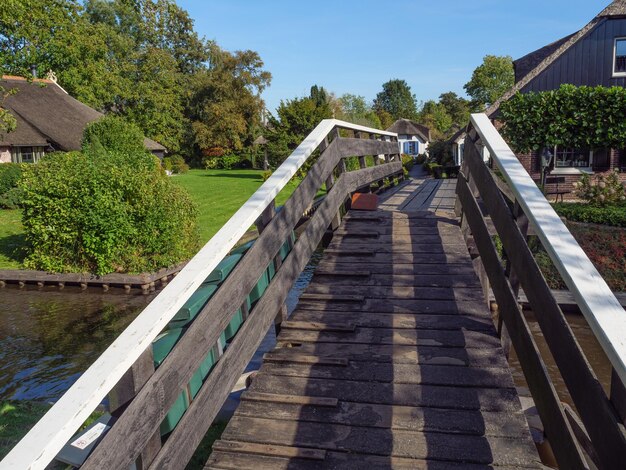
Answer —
(16, 419)
(201, 455)
(217, 193)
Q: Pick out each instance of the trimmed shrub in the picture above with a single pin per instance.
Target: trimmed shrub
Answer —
(105, 212)
(614, 215)
(225, 162)
(12, 199)
(176, 164)
(10, 174)
(113, 134)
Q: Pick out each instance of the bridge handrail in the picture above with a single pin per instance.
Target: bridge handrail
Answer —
(602, 310)
(42, 443)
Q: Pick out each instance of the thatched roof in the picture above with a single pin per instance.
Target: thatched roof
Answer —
(408, 127)
(46, 114)
(260, 140)
(458, 135)
(531, 65)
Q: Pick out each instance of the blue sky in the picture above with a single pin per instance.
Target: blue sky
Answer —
(356, 46)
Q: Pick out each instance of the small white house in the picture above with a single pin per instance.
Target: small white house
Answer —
(413, 138)
(457, 142)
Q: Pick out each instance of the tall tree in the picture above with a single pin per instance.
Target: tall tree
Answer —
(7, 120)
(295, 119)
(225, 104)
(491, 80)
(435, 116)
(354, 108)
(457, 108)
(397, 100)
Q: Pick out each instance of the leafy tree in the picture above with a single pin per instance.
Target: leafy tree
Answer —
(354, 108)
(225, 105)
(456, 107)
(435, 116)
(397, 100)
(295, 119)
(490, 80)
(7, 120)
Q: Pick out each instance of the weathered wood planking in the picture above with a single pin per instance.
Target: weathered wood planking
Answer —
(418, 381)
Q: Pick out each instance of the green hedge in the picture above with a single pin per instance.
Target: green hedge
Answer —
(105, 212)
(407, 161)
(10, 174)
(614, 215)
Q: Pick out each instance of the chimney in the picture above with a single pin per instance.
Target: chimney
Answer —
(33, 70)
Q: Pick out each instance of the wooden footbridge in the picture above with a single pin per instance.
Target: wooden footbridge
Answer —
(391, 359)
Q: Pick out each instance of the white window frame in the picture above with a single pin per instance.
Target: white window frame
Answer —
(571, 170)
(617, 74)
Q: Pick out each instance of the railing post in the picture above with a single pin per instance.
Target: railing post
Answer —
(362, 161)
(618, 396)
(522, 222)
(262, 222)
(125, 390)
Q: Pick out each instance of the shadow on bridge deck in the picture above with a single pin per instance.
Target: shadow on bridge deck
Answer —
(390, 360)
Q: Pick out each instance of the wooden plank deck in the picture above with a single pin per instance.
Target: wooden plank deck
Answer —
(390, 360)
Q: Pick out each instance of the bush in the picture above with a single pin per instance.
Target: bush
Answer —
(12, 199)
(407, 161)
(10, 174)
(606, 190)
(266, 175)
(225, 162)
(176, 164)
(105, 212)
(614, 215)
(113, 134)
(421, 159)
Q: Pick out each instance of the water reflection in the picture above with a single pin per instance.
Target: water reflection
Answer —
(588, 343)
(49, 337)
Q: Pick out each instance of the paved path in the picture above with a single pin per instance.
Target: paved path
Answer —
(390, 359)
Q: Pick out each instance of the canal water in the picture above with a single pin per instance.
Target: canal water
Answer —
(49, 337)
(593, 351)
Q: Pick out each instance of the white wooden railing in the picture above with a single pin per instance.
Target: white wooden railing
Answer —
(602, 310)
(595, 430)
(42, 443)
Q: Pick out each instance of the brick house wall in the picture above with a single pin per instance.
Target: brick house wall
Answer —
(530, 161)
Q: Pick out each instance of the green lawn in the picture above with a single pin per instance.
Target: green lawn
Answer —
(218, 194)
(11, 239)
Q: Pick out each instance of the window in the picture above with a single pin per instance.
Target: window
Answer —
(622, 159)
(27, 155)
(572, 158)
(601, 159)
(619, 57)
(411, 147)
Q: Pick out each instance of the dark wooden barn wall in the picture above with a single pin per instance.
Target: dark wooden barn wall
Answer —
(589, 62)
